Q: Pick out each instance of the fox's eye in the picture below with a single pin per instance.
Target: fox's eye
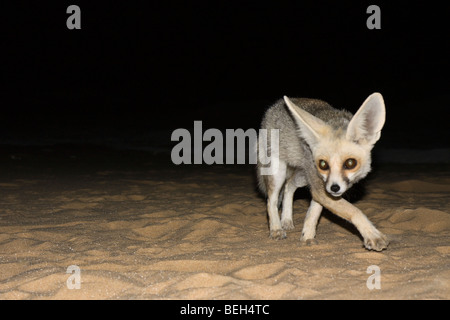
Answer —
(350, 163)
(323, 165)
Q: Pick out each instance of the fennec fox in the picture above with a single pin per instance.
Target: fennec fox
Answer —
(327, 150)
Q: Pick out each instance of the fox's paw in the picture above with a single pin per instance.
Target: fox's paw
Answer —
(277, 234)
(378, 243)
(287, 224)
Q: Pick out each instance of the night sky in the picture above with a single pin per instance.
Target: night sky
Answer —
(142, 66)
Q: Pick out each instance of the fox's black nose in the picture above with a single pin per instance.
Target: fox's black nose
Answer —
(335, 188)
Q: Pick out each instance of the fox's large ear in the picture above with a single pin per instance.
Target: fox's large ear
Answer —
(365, 126)
(311, 127)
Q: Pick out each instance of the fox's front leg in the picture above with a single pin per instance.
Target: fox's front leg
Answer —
(373, 239)
(310, 224)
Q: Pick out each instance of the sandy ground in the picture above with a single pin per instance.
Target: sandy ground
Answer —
(138, 228)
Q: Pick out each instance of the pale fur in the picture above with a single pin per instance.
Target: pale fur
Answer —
(311, 130)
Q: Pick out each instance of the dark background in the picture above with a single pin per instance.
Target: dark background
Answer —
(139, 68)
